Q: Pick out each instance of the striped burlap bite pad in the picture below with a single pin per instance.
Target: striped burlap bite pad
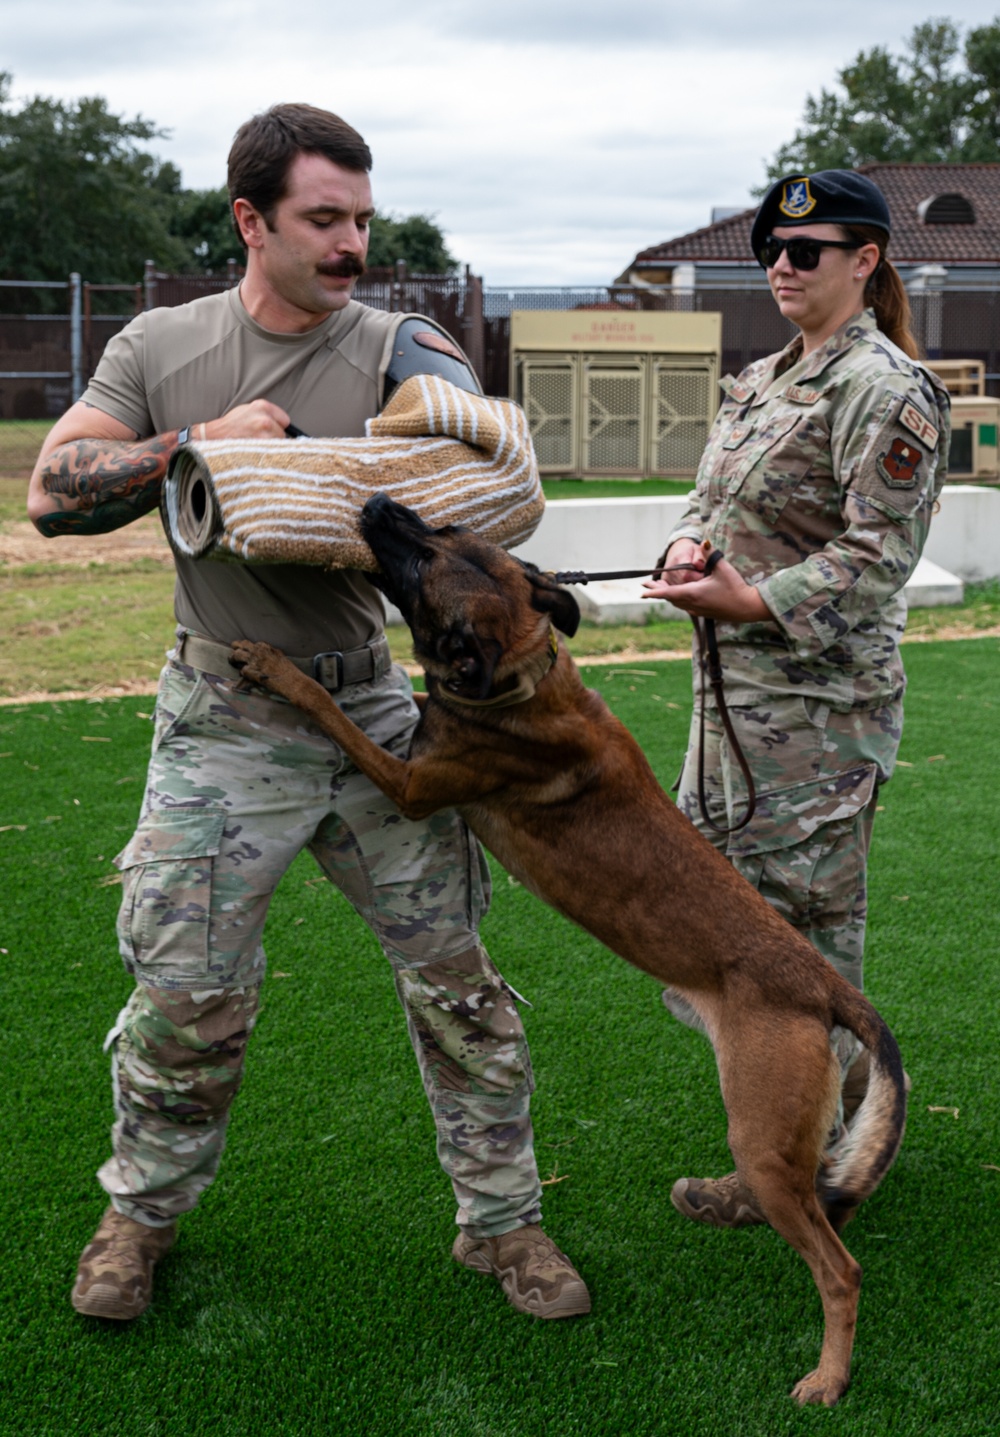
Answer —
(454, 457)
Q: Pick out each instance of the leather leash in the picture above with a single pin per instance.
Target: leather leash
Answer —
(577, 576)
(711, 669)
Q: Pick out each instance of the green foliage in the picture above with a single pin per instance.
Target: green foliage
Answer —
(78, 191)
(202, 221)
(413, 238)
(939, 102)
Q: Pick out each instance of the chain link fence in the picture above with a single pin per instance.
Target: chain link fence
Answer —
(52, 335)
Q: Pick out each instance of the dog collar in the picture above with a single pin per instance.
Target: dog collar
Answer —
(527, 681)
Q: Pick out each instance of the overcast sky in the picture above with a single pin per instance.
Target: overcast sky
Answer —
(552, 139)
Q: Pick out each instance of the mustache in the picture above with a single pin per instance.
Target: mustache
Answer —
(346, 268)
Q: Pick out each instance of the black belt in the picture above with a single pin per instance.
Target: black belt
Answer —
(335, 670)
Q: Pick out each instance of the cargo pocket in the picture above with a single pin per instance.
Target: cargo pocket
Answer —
(164, 920)
(792, 836)
(179, 696)
(786, 817)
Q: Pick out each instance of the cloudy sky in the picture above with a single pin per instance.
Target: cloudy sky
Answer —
(552, 139)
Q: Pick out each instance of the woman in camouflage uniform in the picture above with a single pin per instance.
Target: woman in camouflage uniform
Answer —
(817, 484)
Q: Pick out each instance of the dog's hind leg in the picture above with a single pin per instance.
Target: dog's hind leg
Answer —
(780, 1112)
(800, 1220)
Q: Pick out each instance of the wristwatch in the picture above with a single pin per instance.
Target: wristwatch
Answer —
(183, 435)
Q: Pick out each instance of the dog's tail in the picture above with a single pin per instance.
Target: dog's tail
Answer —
(861, 1161)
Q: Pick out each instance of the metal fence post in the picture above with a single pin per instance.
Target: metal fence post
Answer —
(75, 337)
(398, 301)
(473, 328)
(149, 284)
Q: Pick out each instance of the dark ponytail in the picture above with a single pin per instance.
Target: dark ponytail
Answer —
(885, 292)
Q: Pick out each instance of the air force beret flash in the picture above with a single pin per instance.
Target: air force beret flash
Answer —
(830, 197)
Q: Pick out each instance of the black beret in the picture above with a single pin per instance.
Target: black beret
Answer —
(831, 197)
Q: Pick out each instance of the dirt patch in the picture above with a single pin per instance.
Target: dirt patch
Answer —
(21, 544)
(952, 631)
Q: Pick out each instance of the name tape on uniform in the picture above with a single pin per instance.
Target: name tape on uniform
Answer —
(800, 395)
(911, 418)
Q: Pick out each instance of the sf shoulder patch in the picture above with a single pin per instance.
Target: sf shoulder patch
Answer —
(919, 425)
(899, 465)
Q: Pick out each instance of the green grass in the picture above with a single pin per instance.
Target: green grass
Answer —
(20, 441)
(312, 1293)
(13, 495)
(613, 488)
(68, 629)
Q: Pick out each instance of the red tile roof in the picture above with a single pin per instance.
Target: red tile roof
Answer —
(913, 242)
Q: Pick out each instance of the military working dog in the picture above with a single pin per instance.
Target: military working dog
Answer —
(556, 787)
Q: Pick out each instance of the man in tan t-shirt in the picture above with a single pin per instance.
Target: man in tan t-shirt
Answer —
(239, 783)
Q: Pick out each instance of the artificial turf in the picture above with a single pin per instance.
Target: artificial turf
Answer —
(312, 1290)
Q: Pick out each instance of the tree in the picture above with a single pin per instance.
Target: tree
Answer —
(413, 238)
(928, 105)
(202, 220)
(79, 192)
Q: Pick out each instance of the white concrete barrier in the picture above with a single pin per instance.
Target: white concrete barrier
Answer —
(601, 534)
(965, 535)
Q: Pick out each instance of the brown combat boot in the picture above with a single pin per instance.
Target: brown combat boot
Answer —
(536, 1277)
(721, 1202)
(115, 1275)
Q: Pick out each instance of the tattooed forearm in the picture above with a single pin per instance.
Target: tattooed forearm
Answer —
(99, 484)
(114, 514)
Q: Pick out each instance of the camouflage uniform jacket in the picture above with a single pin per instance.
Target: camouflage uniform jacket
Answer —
(820, 493)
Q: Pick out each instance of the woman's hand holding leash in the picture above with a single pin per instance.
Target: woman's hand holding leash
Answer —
(721, 594)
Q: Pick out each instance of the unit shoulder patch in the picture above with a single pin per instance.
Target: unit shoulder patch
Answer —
(899, 465)
(919, 425)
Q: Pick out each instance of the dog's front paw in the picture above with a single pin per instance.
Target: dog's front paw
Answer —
(262, 664)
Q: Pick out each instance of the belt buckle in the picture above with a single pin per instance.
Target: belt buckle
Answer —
(320, 662)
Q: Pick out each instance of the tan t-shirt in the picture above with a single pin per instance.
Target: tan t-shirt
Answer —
(183, 365)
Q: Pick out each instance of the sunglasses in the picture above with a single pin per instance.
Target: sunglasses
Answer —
(803, 252)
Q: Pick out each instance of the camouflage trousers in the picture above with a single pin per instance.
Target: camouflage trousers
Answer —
(817, 772)
(239, 783)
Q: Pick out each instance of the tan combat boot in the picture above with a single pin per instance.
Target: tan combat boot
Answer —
(536, 1277)
(721, 1202)
(115, 1275)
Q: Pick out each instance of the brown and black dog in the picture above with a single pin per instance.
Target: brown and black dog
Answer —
(557, 788)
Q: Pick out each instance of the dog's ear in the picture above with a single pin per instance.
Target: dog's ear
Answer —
(548, 598)
(471, 661)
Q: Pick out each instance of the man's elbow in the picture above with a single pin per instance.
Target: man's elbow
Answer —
(40, 507)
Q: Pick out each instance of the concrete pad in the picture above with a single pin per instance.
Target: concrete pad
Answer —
(620, 601)
(930, 586)
(964, 536)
